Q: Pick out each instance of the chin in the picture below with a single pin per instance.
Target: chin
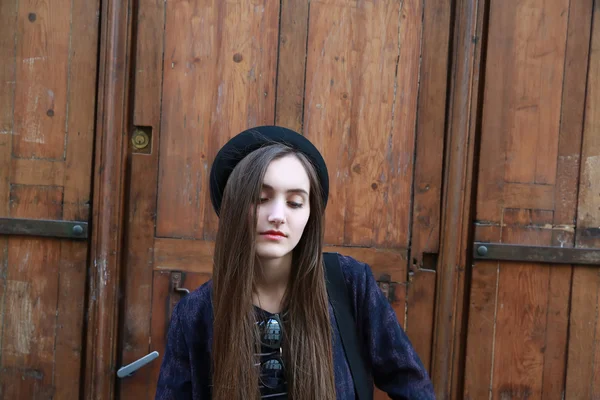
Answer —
(270, 253)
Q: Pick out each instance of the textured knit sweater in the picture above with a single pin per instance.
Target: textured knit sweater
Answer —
(393, 364)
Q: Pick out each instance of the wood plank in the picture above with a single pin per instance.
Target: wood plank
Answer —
(141, 207)
(521, 319)
(37, 172)
(358, 95)
(481, 322)
(430, 131)
(30, 386)
(535, 89)
(572, 113)
(557, 326)
(82, 95)
(495, 118)
(197, 256)
(419, 315)
(525, 195)
(32, 289)
(160, 316)
(108, 199)
(8, 34)
(327, 108)
(583, 371)
(291, 68)
(42, 65)
(211, 91)
(582, 334)
(73, 270)
(8, 20)
(183, 255)
(463, 127)
(565, 200)
(427, 184)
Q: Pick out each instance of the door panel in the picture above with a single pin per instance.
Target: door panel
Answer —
(346, 74)
(522, 316)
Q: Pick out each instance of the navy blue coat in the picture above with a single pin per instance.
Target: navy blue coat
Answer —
(394, 365)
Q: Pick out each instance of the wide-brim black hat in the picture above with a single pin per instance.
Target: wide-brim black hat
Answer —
(252, 139)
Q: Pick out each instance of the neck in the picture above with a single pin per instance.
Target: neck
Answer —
(272, 283)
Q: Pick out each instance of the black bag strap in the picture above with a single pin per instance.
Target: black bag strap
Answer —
(340, 301)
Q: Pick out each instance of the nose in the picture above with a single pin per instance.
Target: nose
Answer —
(277, 213)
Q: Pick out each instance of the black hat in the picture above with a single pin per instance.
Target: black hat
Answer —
(249, 140)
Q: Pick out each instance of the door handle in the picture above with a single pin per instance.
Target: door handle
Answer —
(129, 369)
(176, 278)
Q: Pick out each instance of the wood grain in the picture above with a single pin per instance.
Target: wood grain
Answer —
(481, 322)
(160, 316)
(427, 184)
(31, 292)
(521, 320)
(583, 367)
(291, 65)
(360, 110)
(523, 180)
(419, 314)
(107, 219)
(528, 195)
(41, 72)
(212, 90)
(37, 172)
(457, 216)
(8, 20)
(565, 200)
(141, 206)
(8, 30)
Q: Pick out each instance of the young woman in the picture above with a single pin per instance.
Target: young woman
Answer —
(264, 327)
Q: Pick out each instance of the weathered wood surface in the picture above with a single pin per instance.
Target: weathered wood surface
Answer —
(583, 375)
(344, 73)
(520, 314)
(107, 219)
(48, 79)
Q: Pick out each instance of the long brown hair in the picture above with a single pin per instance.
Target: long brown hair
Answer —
(308, 344)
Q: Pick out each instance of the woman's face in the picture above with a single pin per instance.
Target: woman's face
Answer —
(284, 208)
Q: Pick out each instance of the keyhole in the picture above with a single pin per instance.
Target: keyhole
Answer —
(140, 139)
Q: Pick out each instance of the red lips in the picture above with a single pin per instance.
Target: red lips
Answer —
(273, 233)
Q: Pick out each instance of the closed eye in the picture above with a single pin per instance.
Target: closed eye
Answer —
(293, 204)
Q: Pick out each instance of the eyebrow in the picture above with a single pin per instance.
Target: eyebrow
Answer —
(265, 186)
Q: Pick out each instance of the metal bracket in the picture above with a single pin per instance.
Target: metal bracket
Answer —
(387, 287)
(176, 278)
(540, 254)
(42, 227)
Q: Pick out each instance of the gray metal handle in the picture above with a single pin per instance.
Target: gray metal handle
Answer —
(129, 369)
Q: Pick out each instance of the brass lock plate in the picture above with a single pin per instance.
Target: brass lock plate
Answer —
(141, 139)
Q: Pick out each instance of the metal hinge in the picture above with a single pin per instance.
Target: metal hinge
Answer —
(541, 254)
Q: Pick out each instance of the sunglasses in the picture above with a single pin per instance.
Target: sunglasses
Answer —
(272, 373)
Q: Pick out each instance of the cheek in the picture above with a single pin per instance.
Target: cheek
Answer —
(302, 221)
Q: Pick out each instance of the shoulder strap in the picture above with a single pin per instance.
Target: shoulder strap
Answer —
(340, 301)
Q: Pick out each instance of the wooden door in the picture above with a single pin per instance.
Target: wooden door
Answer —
(533, 328)
(47, 98)
(346, 74)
